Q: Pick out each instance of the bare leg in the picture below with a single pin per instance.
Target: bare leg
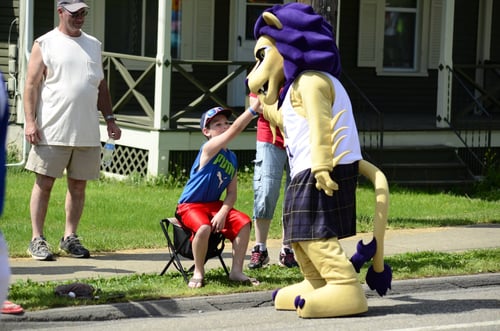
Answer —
(200, 247)
(39, 203)
(75, 200)
(261, 230)
(240, 246)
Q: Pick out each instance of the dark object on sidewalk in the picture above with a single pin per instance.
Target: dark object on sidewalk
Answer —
(76, 290)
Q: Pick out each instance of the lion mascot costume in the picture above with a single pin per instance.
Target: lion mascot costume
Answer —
(296, 80)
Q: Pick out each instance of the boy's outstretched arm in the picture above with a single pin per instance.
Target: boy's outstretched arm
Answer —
(215, 144)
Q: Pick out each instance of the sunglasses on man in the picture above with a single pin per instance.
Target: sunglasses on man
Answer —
(81, 13)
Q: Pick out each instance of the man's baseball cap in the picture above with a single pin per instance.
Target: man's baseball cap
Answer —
(72, 5)
(211, 113)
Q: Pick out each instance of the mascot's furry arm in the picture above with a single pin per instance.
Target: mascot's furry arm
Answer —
(312, 97)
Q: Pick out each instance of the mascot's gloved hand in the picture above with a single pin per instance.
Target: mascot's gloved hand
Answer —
(325, 183)
(364, 253)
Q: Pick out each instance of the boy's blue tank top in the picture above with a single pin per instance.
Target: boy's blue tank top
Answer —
(208, 183)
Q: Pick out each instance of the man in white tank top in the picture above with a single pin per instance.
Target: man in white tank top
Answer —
(64, 90)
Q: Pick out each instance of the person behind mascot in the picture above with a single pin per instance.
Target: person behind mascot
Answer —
(296, 78)
(4, 254)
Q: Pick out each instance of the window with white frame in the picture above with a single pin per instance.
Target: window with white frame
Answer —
(399, 37)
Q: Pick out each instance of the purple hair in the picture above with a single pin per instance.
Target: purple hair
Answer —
(306, 41)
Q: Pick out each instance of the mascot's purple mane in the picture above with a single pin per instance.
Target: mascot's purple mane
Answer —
(305, 42)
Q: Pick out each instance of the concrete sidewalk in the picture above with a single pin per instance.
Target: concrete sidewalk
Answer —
(448, 239)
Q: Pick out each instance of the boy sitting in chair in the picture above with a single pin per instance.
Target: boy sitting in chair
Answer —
(200, 208)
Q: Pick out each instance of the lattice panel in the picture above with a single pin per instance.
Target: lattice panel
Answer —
(127, 161)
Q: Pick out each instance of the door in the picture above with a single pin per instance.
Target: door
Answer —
(241, 42)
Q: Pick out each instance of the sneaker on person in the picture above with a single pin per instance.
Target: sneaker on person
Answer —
(258, 259)
(287, 258)
(73, 247)
(39, 249)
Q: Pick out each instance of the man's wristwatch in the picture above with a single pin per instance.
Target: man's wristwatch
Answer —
(110, 117)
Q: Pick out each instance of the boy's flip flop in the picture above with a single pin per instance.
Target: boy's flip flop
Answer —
(196, 283)
(11, 308)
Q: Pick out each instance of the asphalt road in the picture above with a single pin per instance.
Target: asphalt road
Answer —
(448, 303)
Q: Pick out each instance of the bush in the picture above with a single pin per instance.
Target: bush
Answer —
(489, 187)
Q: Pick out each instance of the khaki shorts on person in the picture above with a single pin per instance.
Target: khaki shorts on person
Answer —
(81, 163)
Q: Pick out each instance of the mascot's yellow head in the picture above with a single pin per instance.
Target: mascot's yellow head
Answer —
(291, 38)
(267, 76)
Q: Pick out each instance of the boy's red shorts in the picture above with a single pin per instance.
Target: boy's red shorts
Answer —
(194, 215)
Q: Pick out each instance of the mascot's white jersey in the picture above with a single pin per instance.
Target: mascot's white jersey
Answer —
(297, 131)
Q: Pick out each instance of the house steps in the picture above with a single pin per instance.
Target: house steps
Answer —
(424, 167)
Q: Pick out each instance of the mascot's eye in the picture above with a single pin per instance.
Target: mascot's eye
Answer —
(261, 53)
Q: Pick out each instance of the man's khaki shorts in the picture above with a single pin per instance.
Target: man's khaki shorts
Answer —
(82, 163)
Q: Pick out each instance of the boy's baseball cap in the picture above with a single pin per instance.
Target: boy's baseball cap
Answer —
(72, 5)
(211, 113)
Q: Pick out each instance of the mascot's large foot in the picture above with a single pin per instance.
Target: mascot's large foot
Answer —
(342, 294)
(284, 298)
(333, 301)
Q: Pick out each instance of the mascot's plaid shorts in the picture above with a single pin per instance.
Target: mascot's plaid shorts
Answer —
(310, 214)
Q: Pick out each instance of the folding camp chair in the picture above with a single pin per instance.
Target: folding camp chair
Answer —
(181, 246)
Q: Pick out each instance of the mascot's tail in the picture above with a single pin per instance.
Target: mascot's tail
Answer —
(379, 275)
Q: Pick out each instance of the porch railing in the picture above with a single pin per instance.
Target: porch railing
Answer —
(476, 98)
(130, 89)
(207, 92)
(475, 110)
(369, 120)
(131, 81)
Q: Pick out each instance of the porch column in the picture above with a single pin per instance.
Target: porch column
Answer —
(159, 152)
(444, 76)
(25, 23)
(484, 32)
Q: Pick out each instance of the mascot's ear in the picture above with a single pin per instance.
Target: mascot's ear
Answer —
(272, 20)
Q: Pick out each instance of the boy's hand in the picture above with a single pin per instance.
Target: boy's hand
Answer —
(255, 103)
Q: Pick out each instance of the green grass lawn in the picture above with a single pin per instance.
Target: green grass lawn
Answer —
(125, 214)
